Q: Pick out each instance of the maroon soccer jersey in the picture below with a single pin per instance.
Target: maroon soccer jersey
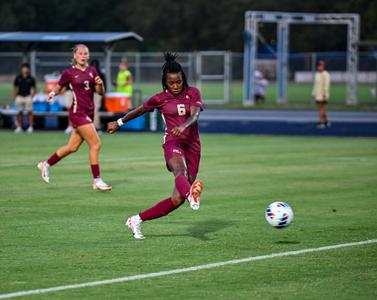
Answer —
(82, 85)
(175, 111)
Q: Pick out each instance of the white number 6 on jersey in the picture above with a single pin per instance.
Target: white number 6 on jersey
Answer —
(181, 109)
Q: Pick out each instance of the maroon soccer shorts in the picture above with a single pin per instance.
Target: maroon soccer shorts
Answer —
(79, 119)
(189, 151)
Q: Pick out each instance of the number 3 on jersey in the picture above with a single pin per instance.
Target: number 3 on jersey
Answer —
(181, 109)
(86, 85)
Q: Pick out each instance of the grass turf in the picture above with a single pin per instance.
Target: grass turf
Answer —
(65, 233)
(299, 95)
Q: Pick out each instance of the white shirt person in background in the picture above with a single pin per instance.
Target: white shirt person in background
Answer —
(321, 93)
(260, 84)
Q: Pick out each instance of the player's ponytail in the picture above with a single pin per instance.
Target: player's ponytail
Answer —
(170, 57)
(172, 66)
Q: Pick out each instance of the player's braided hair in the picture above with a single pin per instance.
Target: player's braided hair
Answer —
(74, 50)
(172, 66)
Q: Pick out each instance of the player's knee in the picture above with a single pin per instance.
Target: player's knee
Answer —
(179, 170)
(73, 148)
(177, 200)
(96, 146)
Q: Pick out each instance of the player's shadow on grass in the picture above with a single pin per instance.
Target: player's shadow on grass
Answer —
(201, 230)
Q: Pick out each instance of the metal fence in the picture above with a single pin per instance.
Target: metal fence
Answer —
(218, 73)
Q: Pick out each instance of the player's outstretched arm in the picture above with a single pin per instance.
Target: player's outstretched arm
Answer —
(56, 91)
(132, 114)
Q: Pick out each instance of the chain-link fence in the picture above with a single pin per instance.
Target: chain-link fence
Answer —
(219, 74)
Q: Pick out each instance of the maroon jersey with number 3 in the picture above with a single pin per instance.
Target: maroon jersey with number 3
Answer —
(82, 85)
(175, 111)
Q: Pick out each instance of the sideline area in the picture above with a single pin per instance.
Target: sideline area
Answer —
(279, 122)
(288, 122)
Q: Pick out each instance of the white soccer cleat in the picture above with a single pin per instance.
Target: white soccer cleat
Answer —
(43, 167)
(99, 184)
(18, 130)
(30, 130)
(195, 193)
(133, 223)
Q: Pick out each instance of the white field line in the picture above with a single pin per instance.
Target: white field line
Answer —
(183, 270)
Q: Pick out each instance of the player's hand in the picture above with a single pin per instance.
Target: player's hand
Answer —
(112, 127)
(50, 97)
(98, 80)
(177, 131)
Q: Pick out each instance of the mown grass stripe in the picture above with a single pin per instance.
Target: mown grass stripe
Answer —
(182, 270)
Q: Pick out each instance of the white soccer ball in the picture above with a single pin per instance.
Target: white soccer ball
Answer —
(279, 214)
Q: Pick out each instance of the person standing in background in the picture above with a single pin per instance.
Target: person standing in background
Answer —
(23, 93)
(260, 84)
(97, 97)
(123, 81)
(321, 93)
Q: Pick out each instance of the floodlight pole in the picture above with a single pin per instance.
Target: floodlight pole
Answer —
(282, 65)
(33, 61)
(352, 58)
(108, 52)
(198, 68)
(227, 76)
(137, 69)
(250, 51)
(30, 56)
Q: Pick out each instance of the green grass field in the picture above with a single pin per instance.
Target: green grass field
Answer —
(65, 233)
(299, 95)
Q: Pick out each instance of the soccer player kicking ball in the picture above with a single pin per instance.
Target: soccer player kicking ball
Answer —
(180, 106)
(83, 81)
